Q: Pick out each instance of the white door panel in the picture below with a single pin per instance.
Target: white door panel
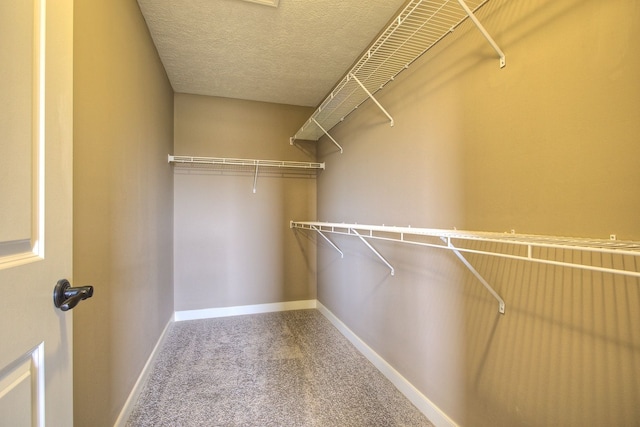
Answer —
(22, 391)
(36, 126)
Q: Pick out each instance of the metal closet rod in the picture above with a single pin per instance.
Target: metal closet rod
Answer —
(446, 240)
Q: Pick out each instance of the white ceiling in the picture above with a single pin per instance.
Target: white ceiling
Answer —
(290, 54)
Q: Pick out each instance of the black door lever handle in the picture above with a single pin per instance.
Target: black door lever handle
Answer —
(65, 297)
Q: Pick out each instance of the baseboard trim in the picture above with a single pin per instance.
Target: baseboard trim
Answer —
(210, 313)
(142, 379)
(426, 406)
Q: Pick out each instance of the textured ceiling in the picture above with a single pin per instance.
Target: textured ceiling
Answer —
(291, 54)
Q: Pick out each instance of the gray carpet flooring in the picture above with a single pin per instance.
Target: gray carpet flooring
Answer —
(289, 368)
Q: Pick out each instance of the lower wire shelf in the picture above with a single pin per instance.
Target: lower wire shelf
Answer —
(525, 247)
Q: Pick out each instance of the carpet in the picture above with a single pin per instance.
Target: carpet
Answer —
(289, 368)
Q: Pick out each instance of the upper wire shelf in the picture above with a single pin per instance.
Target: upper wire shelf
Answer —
(417, 28)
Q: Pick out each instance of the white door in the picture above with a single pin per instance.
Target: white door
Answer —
(36, 130)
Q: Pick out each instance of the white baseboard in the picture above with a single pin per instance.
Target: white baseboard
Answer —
(210, 313)
(142, 379)
(427, 407)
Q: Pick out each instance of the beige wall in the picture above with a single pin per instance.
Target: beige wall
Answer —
(234, 247)
(123, 211)
(546, 145)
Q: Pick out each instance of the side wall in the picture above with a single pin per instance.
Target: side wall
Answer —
(123, 204)
(234, 247)
(547, 145)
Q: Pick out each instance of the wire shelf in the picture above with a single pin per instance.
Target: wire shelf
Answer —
(256, 164)
(225, 161)
(415, 30)
(534, 248)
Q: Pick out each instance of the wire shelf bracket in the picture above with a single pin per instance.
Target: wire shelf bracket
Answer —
(393, 272)
(485, 33)
(333, 245)
(419, 26)
(328, 134)
(353, 76)
(501, 305)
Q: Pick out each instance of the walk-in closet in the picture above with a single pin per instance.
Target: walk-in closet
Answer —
(440, 197)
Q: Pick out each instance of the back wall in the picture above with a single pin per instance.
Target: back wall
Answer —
(234, 247)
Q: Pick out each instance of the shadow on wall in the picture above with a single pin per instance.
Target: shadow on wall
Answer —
(566, 352)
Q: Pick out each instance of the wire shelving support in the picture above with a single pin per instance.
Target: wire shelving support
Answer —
(370, 95)
(524, 247)
(416, 29)
(481, 279)
(393, 272)
(313, 227)
(189, 161)
(326, 133)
